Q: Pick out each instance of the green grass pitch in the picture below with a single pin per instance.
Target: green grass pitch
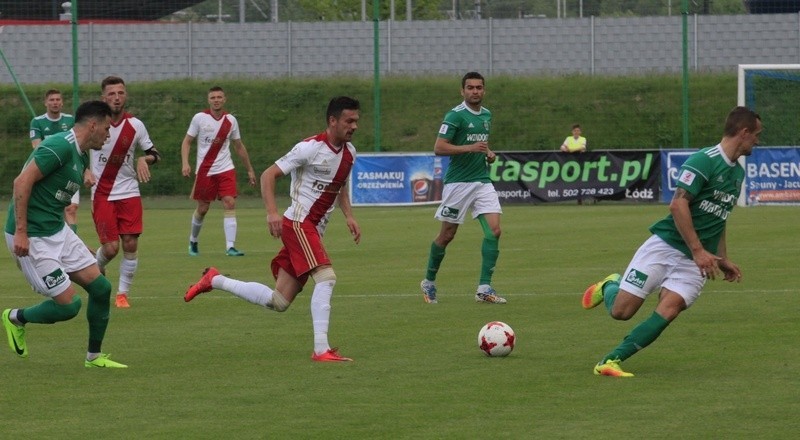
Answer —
(222, 368)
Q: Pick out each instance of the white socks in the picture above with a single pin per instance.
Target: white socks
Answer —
(127, 269)
(229, 225)
(321, 314)
(255, 293)
(197, 224)
(102, 261)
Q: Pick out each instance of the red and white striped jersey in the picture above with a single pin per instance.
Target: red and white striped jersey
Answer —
(318, 171)
(114, 165)
(213, 141)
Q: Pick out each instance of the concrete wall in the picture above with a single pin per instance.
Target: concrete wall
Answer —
(607, 46)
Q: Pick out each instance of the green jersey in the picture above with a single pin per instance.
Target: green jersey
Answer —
(463, 126)
(62, 164)
(715, 182)
(42, 126)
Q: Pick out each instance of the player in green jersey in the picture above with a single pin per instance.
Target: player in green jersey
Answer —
(687, 247)
(464, 136)
(50, 255)
(51, 122)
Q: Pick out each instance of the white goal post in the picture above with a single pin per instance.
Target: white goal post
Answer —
(745, 67)
(773, 172)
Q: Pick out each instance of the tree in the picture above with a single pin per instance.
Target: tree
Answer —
(307, 10)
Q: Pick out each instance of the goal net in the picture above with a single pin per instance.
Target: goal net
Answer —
(773, 170)
(773, 91)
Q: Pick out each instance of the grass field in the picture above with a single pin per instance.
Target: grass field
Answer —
(222, 368)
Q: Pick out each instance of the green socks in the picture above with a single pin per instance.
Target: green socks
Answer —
(434, 261)
(490, 250)
(640, 337)
(50, 312)
(97, 311)
(610, 291)
(489, 253)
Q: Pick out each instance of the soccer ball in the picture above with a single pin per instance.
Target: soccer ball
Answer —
(496, 339)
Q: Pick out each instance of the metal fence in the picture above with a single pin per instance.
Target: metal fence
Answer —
(604, 46)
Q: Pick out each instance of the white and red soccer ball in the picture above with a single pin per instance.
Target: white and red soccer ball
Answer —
(496, 339)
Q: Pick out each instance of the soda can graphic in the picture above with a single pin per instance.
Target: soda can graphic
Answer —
(420, 187)
(438, 184)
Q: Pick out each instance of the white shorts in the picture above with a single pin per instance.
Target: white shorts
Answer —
(51, 259)
(457, 197)
(657, 264)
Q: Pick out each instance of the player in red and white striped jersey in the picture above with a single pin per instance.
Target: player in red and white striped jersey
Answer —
(319, 167)
(215, 175)
(115, 174)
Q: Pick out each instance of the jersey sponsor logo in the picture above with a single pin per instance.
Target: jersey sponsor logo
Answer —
(33, 133)
(478, 137)
(322, 168)
(714, 209)
(636, 278)
(443, 129)
(54, 278)
(724, 197)
(324, 187)
(687, 177)
(65, 195)
(470, 125)
(449, 212)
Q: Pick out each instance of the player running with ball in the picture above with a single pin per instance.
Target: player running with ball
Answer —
(319, 168)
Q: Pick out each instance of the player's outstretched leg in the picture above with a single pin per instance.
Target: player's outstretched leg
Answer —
(593, 295)
(202, 286)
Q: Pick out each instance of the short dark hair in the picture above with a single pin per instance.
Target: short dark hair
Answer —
(216, 89)
(339, 104)
(471, 75)
(51, 92)
(110, 81)
(574, 126)
(92, 110)
(739, 118)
